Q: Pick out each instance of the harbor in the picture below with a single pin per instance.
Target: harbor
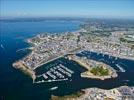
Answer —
(15, 82)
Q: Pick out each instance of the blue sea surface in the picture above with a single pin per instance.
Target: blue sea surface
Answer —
(15, 85)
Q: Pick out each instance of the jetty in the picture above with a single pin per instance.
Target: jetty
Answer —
(120, 68)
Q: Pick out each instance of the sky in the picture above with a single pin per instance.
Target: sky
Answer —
(67, 8)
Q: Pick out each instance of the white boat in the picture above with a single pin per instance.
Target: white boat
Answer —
(53, 88)
(126, 80)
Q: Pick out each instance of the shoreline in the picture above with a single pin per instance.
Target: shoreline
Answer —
(117, 93)
(25, 69)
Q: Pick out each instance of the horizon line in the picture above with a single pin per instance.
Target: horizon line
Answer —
(86, 17)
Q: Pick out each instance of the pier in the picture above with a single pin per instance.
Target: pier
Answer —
(50, 81)
(120, 68)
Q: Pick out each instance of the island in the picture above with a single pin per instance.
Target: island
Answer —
(95, 69)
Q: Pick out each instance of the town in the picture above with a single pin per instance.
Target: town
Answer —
(48, 47)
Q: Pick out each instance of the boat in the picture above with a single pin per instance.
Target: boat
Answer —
(126, 80)
(53, 88)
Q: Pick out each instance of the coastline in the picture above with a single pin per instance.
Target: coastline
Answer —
(25, 69)
(49, 59)
(20, 64)
(94, 93)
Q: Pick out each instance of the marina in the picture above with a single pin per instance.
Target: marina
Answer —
(56, 73)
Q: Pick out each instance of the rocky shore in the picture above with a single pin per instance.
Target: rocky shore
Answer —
(25, 69)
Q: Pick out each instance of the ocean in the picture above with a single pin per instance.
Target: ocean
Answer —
(15, 85)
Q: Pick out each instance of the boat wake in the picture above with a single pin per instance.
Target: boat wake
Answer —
(2, 47)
